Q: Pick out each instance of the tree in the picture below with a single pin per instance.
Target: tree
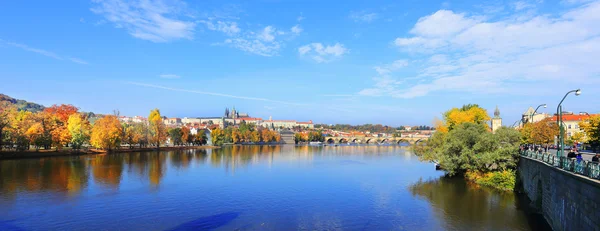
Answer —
(60, 114)
(591, 128)
(20, 123)
(175, 134)
(298, 138)
(468, 113)
(218, 137)
(158, 129)
(471, 147)
(80, 129)
(255, 136)
(235, 136)
(543, 132)
(106, 133)
(186, 138)
(7, 111)
(200, 138)
(578, 137)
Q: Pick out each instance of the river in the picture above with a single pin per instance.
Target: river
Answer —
(250, 188)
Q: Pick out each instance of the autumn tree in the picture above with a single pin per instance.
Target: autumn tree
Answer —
(218, 136)
(60, 114)
(157, 127)
(236, 136)
(21, 122)
(543, 132)
(7, 111)
(467, 113)
(80, 130)
(106, 133)
(591, 128)
(255, 136)
(186, 138)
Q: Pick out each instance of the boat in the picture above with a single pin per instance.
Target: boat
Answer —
(315, 143)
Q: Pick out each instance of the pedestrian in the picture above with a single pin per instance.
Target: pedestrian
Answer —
(571, 154)
(579, 158)
(596, 158)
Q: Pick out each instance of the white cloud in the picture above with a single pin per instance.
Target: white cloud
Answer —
(389, 68)
(470, 54)
(521, 5)
(229, 28)
(267, 34)
(76, 60)
(156, 21)
(255, 46)
(322, 54)
(43, 52)
(169, 76)
(442, 23)
(363, 16)
(296, 29)
(300, 18)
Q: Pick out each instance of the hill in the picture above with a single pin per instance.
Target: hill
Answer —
(22, 104)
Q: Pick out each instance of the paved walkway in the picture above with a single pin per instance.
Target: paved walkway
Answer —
(585, 155)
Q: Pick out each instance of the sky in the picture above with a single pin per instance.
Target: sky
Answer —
(387, 62)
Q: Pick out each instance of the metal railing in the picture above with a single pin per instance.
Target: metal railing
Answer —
(580, 167)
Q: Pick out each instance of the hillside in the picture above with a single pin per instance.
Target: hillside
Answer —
(22, 104)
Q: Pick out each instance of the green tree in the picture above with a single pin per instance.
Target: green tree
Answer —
(176, 136)
(158, 129)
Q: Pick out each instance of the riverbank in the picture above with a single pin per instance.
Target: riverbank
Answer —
(5, 155)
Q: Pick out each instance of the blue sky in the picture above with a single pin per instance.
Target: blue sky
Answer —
(390, 62)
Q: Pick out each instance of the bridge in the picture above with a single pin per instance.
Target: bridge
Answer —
(374, 140)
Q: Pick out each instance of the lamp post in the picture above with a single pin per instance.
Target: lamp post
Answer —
(561, 139)
(515, 123)
(538, 107)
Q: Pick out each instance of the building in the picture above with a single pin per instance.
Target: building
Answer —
(187, 120)
(496, 121)
(172, 122)
(529, 116)
(571, 122)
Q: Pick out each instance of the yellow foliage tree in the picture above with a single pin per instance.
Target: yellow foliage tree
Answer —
(79, 128)
(235, 136)
(157, 127)
(106, 133)
(255, 136)
(456, 116)
(591, 128)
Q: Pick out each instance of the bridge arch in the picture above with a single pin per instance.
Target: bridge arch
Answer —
(330, 141)
(343, 141)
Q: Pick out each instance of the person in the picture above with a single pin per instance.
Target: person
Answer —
(571, 154)
(596, 158)
(579, 158)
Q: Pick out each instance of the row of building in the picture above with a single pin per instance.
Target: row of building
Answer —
(229, 118)
(570, 120)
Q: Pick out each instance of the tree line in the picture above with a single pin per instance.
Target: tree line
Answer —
(63, 125)
(244, 133)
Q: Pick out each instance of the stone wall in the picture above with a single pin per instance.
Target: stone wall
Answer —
(567, 201)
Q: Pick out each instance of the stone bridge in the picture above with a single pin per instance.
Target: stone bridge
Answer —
(373, 140)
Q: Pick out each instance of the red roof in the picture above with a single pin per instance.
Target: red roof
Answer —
(250, 119)
(571, 117)
(280, 121)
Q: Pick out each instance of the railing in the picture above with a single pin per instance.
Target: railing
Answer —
(581, 167)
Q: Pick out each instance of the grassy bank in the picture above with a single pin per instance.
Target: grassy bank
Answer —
(66, 152)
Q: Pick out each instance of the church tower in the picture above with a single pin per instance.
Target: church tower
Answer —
(496, 121)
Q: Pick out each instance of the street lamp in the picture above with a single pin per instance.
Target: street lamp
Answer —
(560, 151)
(515, 123)
(538, 107)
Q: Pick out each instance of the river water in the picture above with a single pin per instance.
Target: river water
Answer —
(250, 188)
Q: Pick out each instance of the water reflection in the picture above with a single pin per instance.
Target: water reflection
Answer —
(71, 174)
(248, 188)
(466, 206)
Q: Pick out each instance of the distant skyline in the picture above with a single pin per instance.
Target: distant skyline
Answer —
(380, 62)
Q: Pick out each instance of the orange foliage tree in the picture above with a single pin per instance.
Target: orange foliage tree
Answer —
(60, 133)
